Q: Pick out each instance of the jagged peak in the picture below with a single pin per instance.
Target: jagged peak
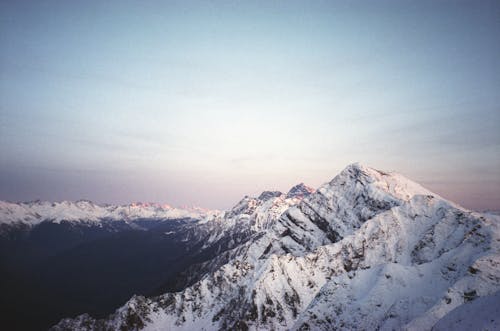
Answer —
(299, 191)
(266, 195)
(358, 167)
(391, 182)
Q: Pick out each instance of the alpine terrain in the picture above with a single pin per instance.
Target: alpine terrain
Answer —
(369, 250)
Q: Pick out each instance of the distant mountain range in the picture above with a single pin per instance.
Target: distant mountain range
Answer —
(367, 250)
(35, 212)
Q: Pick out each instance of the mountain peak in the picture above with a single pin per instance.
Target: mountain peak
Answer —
(266, 195)
(392, 183)
(299, 191)
(358, 167)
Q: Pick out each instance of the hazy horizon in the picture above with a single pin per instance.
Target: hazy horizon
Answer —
(202, 103)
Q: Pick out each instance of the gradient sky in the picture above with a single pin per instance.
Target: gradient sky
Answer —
(203, 102)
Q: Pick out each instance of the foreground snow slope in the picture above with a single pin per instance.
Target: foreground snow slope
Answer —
(368, 250)
(480, 314)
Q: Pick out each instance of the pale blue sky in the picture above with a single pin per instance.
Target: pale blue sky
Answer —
(203, 102)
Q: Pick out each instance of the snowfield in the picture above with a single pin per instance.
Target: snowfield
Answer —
(369, 250)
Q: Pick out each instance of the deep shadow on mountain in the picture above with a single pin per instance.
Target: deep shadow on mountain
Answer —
(59, 270)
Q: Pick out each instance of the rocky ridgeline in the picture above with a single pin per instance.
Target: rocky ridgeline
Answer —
(368, 250)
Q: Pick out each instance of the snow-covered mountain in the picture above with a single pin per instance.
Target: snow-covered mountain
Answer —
(368, 250)
(33, 213)
(299, 191)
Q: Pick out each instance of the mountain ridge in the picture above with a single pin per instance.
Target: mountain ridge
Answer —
(367, 250)
(34, 212)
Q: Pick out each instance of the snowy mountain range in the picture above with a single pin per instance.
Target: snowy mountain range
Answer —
(32, 213)
(367, 250)
(92, 258)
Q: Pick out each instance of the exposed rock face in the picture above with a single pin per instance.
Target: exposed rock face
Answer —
(368, 250)
(299, 191)
(266, 195)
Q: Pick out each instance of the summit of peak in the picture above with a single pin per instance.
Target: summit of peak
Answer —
(358, 166)
(390, 182)
(266, 195)
(299, 191)
(85, 203)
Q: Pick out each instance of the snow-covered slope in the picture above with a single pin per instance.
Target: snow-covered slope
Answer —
(368, 250)
(32, 213)
(480, 314)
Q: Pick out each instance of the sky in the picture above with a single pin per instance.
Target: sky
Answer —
(203, 102)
